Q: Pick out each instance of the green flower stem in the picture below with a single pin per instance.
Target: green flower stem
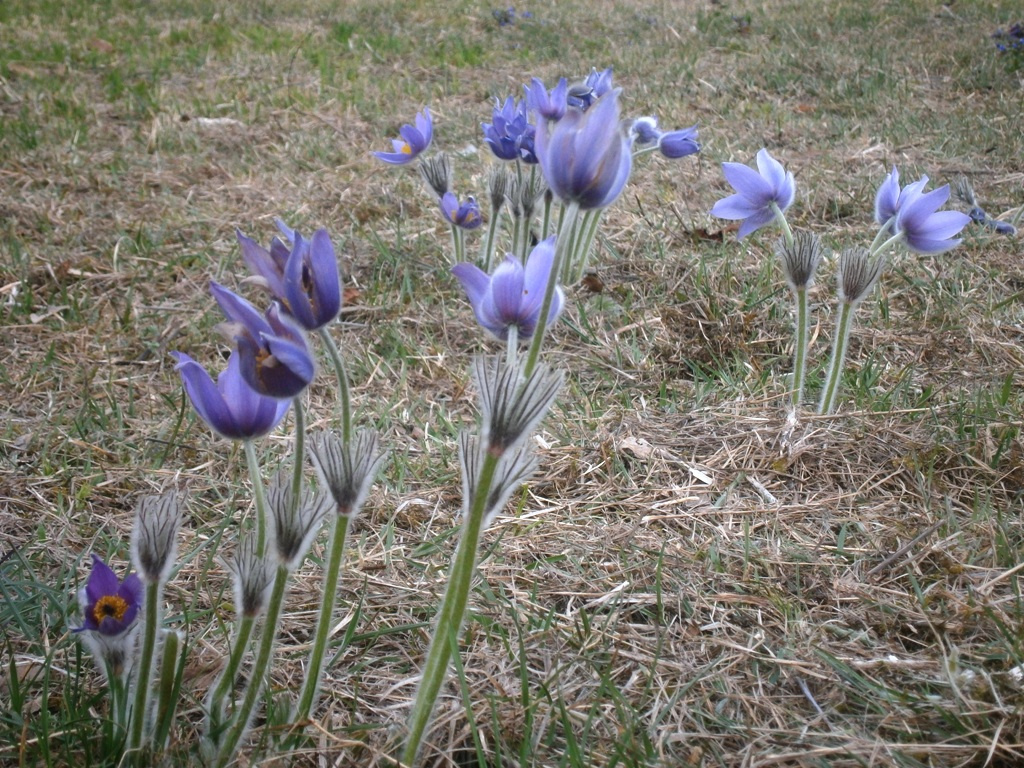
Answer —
(118, 695)
(487, 254)
(545, 228)
(215, 703)
(581, 256)
(314, 669)
(298, 460)
(835, 365)
(512, 345)
(258, 496)
(343, 388)
(884, 245)
(451, 613)
(783, 224)
(240, 720)
(565, 236)
(799, 345)
(143, 687)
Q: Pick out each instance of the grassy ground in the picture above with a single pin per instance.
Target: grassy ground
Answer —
(692, 580)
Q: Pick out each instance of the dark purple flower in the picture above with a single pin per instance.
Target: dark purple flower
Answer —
(304, 279)
(510, 135)
(465, 215)
(760, 195)
(109, 606)
(512, 295)
(274, 356)
(547, 105)
(926, 229)
(230, 407)
(414, 140)
(585, 156)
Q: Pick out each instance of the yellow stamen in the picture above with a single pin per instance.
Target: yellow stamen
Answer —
(406, 149)
(110, 606)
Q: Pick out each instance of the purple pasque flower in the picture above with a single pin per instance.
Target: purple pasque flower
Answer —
(585, 156)
(672, 144)
(890, 197)
(548, 105)
(304, 278)
(109, 606)
(413, 141)
(594, 86)
(926, 229)
(679, 143)
(510, 135)
(230, 407)
(274, 355)
(512, 296)
(760, 196)
(465, 215)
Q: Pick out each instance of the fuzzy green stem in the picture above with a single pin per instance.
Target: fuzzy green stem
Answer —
(259, 497)
(877, 247)
(343, 388)
(299, 459)
(240, 720)
(487, 254)
(783, 224)
(512, 345)
(451, 613)
(565, 236)
(835, 366)
(143, 687)
(799, 346)
(314, 669)
(545, 228)
(581, 256)
(215, 701)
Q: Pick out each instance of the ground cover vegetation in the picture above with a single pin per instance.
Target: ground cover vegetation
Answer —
(695, 575)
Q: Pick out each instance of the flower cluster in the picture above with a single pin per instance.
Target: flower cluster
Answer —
(1010, 44)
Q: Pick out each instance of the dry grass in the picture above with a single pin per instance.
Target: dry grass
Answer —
(693, 580)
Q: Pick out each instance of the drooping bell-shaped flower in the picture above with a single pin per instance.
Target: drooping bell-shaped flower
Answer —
(512, 295)
(231, 407)
(274, 355)
(414, 140)
(926, 229)
(761, 195)
(585, 156)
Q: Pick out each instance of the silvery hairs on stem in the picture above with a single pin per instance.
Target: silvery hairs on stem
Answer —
(346, 472)
(294, 529)
(437, 172)
(514, 469)
(858, 274)
(511, 405)
(800, 259)
(251, 576)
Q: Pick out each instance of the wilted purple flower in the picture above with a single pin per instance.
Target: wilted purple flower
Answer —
(274, 356)
(304, 279)
(465, 215)
(231, 407)
(760, 195)
(510, 134)
(585, 156)
(548, 105)
(109, 606)
(414, 140)
(512, 296)
(926, 229)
